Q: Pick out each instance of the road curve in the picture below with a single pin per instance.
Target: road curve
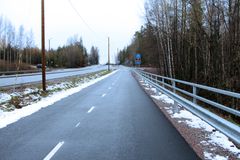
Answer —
(113, 119)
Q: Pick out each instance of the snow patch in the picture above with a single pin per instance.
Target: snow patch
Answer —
(56, 86)
(193, 121)
(163, 98)
(170, 111)
(15, 94)
(210, 156)
(29, 90)
(216, 138)
(34, 97)
(7, 118)
(154, 90)
(4, 97)
(221, 140)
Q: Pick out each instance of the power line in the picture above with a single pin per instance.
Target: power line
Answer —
(88, 26)
(96, 36)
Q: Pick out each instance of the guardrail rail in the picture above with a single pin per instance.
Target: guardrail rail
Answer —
(228, 128)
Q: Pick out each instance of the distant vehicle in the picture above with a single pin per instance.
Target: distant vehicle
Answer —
(39, 66)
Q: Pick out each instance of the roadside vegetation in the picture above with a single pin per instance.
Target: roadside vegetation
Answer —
(28, 94)
(18, 50)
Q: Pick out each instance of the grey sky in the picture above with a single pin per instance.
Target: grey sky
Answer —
(118, 19)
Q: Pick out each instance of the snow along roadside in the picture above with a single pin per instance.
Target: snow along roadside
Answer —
(7, 118)
(214, 145)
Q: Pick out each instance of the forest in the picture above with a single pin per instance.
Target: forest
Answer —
(192, 40)
(18, 50)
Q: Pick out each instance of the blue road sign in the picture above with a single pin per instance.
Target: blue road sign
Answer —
(138, 56)
(138, 59)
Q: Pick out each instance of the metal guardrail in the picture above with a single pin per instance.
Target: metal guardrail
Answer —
(39, 72)
(18, 72)
(51, 80)
(228, 128)
(21, 72)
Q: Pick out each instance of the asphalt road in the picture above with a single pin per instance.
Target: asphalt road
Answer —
(111, 120)
(36, 77)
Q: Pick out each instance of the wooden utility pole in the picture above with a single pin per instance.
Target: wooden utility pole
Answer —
(108, 54)
(43, 51)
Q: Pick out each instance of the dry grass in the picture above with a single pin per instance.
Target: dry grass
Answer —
(5, 66)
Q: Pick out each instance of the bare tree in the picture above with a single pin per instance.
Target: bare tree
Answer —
(20, 45)
(11, 41)
(29, 46)
(197, 40)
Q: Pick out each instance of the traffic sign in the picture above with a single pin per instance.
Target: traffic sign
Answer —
(138, 60)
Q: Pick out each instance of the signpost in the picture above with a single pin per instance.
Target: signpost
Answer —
(138, 60)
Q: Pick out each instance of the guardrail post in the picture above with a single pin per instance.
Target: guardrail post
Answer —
(142, 75)
(156, 79)
(194, 93)
(163, 82)
(174, 86)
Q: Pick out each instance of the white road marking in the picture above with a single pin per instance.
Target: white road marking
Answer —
(77, 125)
(109, 87)
(54, 151)
(91, 109)
(104, 95)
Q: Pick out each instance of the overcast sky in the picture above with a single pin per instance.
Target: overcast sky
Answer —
(118, 19)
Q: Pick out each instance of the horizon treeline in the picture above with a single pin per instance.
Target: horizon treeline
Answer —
(18, 50)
